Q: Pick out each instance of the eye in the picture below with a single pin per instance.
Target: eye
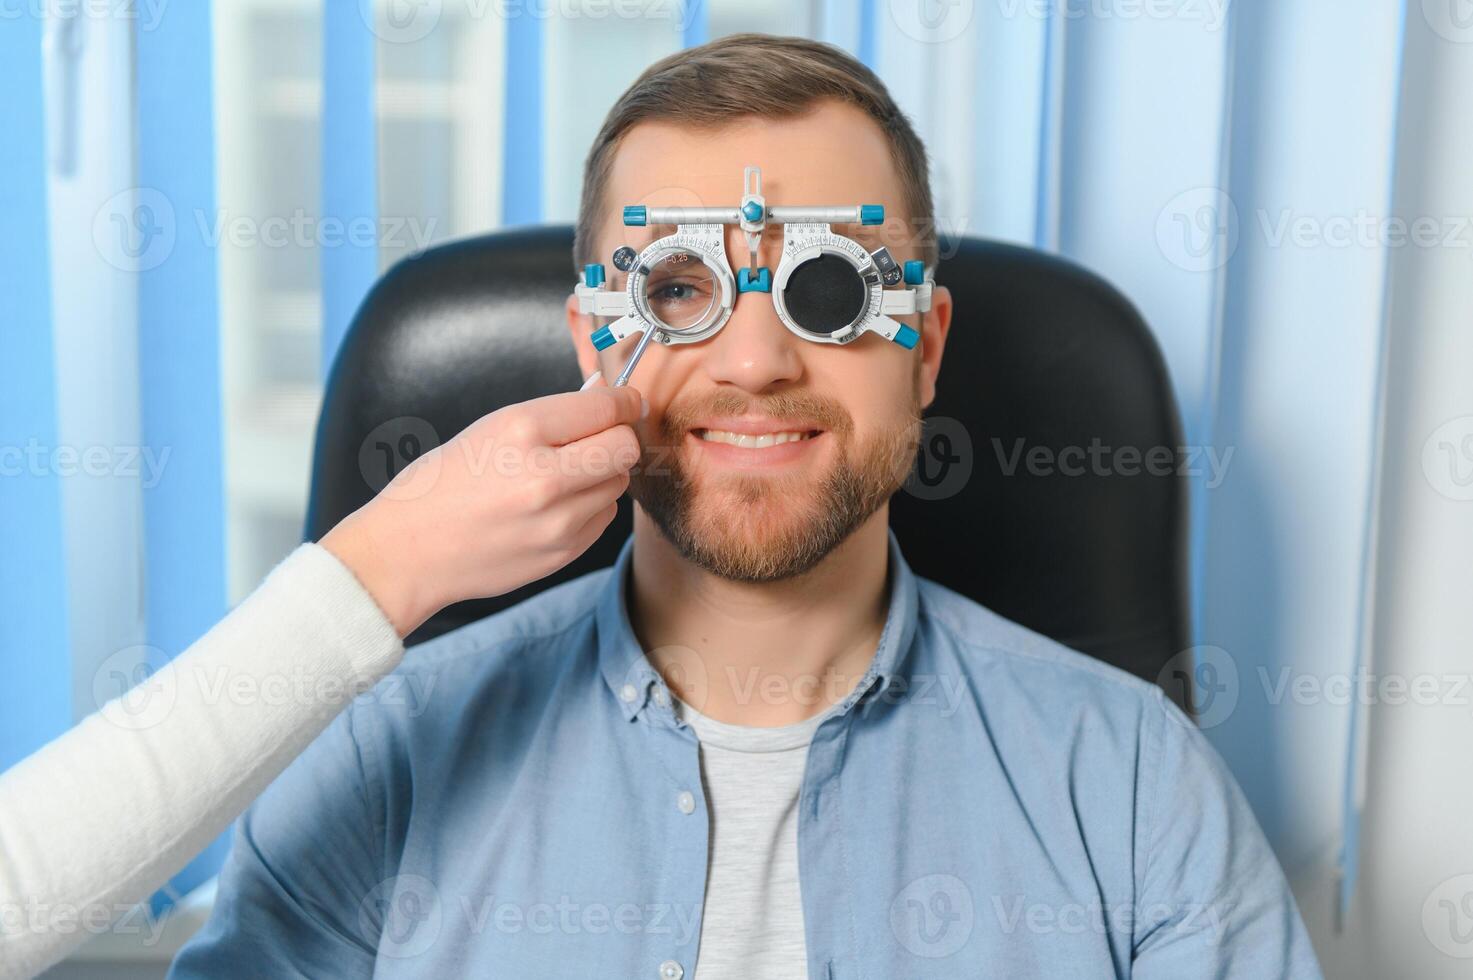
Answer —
(677, 290)
(680, 291)
(673, 291)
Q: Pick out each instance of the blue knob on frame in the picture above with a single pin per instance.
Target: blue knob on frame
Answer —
(634, 214)
(752, 211)
(746, 284)
(906, 337)
(915, 272)
(872, 214)
(603, 337)
(593, 275)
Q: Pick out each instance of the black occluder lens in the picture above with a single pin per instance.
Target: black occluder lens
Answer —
(824, 294)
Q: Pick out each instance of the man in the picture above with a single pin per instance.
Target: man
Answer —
(758, 746)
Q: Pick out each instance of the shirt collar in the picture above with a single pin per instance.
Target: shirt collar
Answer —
(634, 681)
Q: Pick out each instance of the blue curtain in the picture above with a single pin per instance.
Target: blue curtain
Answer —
(35, 702)
(521, 190)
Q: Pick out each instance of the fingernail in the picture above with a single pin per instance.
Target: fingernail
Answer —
(592, 378)
(644, 407)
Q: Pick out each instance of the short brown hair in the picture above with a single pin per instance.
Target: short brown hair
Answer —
(723, 80)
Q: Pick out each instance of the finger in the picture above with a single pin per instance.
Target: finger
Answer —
(575, 511)
(594, 527)
(569, 416)
(598, 496)
(599, 456)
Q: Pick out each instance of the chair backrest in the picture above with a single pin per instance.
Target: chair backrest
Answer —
(1047, 485)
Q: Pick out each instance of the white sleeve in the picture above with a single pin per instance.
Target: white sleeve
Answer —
(101, 817)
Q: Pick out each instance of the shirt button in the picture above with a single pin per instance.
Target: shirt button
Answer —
(671, 970)
(687, 804)
(661, 698)
(628, 692)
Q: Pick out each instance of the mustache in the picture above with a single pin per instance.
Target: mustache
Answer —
(798, 406)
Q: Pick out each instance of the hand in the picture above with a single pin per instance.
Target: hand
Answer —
(512, 499)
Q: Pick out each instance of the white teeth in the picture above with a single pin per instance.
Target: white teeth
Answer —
(752, 442)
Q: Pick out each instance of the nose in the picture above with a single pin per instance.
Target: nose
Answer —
(754, 351)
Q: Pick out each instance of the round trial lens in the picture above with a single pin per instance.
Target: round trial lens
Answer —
(681, 292)
(825, 294)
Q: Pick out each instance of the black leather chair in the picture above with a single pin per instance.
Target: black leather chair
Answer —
(1083, 545)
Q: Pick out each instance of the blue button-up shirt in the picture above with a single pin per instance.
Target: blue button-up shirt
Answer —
(520, 800)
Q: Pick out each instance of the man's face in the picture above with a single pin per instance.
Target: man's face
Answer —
(765, 513)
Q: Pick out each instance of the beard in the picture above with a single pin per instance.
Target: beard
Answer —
(766, 528)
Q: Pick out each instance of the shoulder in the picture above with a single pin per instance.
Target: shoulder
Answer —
(1011, 659)
(1071, 728)
(1069, 718)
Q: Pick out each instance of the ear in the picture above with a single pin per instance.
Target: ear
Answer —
(580, 327)
(935, 325)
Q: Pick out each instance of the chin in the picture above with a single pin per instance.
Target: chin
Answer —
(765, 526)
(750, 529)
(749, 510)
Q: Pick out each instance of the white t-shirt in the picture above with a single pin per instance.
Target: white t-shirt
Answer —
(752, 925)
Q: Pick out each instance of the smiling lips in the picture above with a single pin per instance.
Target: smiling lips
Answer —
(752, 442)
(748, 441)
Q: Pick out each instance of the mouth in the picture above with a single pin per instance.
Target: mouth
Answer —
(755, 441)
(749, 444)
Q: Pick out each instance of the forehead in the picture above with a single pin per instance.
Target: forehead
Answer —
(832, 154)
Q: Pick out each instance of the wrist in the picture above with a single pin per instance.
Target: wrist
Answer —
(381, 568)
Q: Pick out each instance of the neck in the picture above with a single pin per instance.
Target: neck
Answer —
(762, 654)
